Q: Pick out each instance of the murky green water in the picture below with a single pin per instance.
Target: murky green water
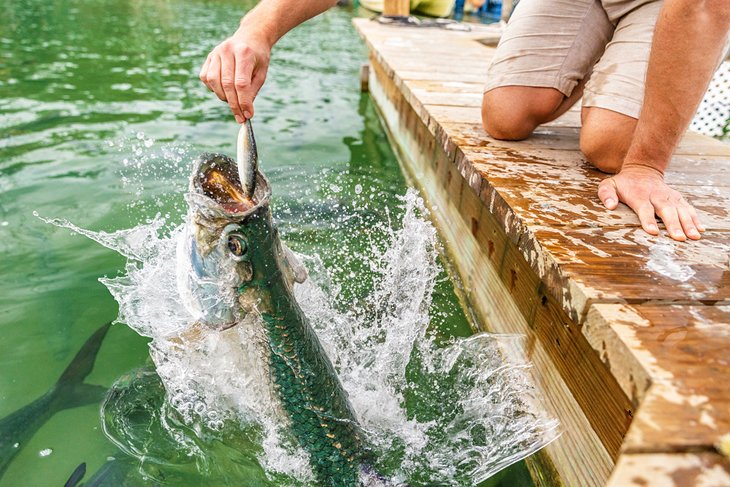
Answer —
(75, 75)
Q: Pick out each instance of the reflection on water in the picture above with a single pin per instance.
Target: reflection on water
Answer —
(79, 80)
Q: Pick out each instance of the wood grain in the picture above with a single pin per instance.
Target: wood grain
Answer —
(626, 331)
(671, 470)
(478, 247)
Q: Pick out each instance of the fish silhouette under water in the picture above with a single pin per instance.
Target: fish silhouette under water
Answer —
(69, 392)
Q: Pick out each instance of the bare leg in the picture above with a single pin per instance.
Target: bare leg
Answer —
(513, 112)
(605, 137)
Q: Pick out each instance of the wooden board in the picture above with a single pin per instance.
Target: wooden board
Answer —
(559, 188)
(584, 453)
(684, 353)
(671, 470)
(625, 330)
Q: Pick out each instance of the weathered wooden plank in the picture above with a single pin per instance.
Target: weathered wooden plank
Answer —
(693, 145)
(444, 63)
(684, 349)
(452, 92)
(559, 188)
(701, 145)
(628, 265)
(443, 51)
(473, 135)
(671, 470)
(458, 99)
(549, 325)
(539, 255)
(609, 328)
(455, 114)
(583, 454)
(451, 86)
(421, 73)
(685, 169)
(589, 382)
(673, 360)
(390, 33)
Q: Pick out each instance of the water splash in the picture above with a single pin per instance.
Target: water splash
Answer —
(155, 174)
(446, 414)
(450, 413)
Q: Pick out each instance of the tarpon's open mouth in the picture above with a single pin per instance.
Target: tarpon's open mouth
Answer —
(216, 177)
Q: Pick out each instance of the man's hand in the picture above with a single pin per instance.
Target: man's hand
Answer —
(235, 71)
(643, 189)
(236, 68)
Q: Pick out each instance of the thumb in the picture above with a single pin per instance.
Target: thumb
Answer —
(607, 193)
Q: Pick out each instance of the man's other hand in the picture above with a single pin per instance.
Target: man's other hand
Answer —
(235, 71)
(642, 188)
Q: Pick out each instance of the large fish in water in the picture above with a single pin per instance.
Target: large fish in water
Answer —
(70, 391)
(232, 265)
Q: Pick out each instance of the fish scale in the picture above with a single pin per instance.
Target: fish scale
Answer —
(321, 421)
(305, 381)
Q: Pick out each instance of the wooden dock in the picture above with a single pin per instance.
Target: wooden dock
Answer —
(629, 334)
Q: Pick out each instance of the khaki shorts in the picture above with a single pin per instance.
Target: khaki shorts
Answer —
(559, 43)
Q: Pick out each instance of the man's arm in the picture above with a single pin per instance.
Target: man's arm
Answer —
(236, 68)
(689, 39)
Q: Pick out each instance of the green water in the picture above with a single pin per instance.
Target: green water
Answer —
(75, 75)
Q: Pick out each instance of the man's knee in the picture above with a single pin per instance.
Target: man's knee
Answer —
(513, 112)
(605, 138)
(504, 118)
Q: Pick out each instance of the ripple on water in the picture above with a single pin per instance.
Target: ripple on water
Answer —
(449, 413)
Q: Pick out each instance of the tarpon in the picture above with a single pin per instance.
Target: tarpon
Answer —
(232, 265)
(70, 391)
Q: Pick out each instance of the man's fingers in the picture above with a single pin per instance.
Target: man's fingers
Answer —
(214, 77)
(235, 71)
(204, 70)
(645, 212)
(228, 75)
(245, 65)
(687, 222)
(607, 193)
(668, 213)
(258, 81)
(695, 218)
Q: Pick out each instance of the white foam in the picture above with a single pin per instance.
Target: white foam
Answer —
(472, 410)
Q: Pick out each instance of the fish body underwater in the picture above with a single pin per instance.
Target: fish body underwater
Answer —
(234, 271)
(70, 391)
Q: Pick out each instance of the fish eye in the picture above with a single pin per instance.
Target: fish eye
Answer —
(237, 245)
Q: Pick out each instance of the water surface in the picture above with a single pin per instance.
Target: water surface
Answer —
(92, 94)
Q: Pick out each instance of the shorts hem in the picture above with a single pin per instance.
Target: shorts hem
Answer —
(564, 86)
(624, 106)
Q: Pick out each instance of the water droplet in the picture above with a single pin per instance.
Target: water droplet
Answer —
(358, 188)
(45, 452)
(5, 223)
(35, 213)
